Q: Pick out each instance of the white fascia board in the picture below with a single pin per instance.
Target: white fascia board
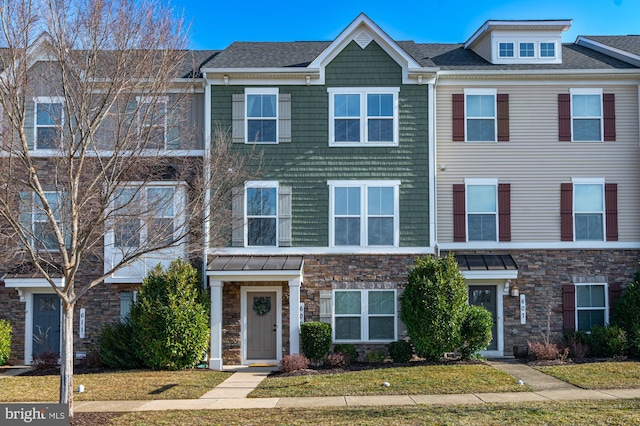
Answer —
(32, 282)
(47, 153)
(488, 26)
(209, 72)
(511, 274)
(255, 275)
(623, 55)
(554, 245)
(631, 73)
(314, 251)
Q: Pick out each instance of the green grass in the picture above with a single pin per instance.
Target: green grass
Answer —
(430, 380)
(121, 385)
(620, 412)
(598, 375)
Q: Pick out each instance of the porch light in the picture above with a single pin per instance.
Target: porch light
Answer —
(515, 291)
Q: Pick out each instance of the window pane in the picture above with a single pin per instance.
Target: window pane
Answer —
(347, 328)
(44, 235)
(586, 130)
(261, 201)
(48, 137)
(481, 198)
(590, 296)
(380, 201)
(49, 114)
(547, 50)
(346, 105)
(160, 231)
(127, 232)
(379, 105)
(381, 302)
(481, 130)
(347, 130)
(347, 231)
(347, 201)
(587, 319)
(589, 197)
(347, 302)
(261, 130)
(526, 50)
(161, 201)
(482, 227)
(506, 50)
(480, 106)
(586, 105)
(589, 227)
(380, 231)
(261, 232)
(261, 106)
(381, 328)
(380, 130)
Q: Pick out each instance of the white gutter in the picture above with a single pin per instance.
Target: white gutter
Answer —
(432, 165)
(206, 232)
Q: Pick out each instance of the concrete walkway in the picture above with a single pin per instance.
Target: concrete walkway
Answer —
(231, 394)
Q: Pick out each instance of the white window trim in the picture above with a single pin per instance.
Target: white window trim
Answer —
(589, 181)
(590, 308)
(524, 37)
(514, 45)
(363, 92)
(364, 315)
(34, 211)
(261, 184)
(261, 91)
(555, 49)
(157, 100)
(486, 92)
(535, 49)
(46, 100)
(587, 91)
(475, 182)
(363, 185)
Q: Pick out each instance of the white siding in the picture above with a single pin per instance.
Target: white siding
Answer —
(535, 163)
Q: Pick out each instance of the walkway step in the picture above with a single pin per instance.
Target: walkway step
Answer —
(531, 377)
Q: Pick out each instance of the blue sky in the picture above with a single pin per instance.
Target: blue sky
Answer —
(215, 24)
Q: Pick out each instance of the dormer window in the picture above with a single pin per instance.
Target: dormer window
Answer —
(547, 50)
(527, 50)
(506, 50)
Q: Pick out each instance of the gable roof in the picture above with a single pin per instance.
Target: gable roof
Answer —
(625, 48)
(558, 25)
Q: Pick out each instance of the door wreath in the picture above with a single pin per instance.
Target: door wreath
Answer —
(261, 305)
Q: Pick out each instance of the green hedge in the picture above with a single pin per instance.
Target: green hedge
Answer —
(5, 341)
(315, 340)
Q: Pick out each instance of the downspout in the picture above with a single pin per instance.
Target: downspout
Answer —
(206, 232)
(432, 166)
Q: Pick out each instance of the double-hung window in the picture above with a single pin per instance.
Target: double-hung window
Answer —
(482, 209)
(364, 213)
(588, 209)
(591, 306)
(261, 213)
(586, 114)
(42, 229)
(363, 116)
(49, 119)
(364, 315)
(261, 115)
(152, 118)
(480, 115)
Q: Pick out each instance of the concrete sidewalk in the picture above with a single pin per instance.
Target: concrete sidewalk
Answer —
(231, 394)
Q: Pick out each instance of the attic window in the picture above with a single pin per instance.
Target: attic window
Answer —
(363, 39)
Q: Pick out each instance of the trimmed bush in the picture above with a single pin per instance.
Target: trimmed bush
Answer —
(315, 340)
(546, 351)
(375, 356)
(348, 349)
(5, 341)
(336, 360)
(400, 351)
(433, 306)
(294, 362)
(475, 331)
(171, 319)
(607, 341)
(116, 346)
(626, 314)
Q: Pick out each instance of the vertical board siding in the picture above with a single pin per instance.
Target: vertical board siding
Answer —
(503, 117)
(611, 210)
(566, 211)
(564, 117)
(569, 306)
(459, 213)
(457, 101)
(609, 115)
(504, 212)
(535, 162)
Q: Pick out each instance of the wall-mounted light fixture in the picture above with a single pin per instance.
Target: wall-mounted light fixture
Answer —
(442, 167)
(515, 291)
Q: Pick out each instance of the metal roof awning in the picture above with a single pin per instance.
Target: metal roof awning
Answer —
(262, 268)
(487, 266)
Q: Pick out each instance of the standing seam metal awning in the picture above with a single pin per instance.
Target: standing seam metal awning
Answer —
(255, 263)
(487, 266)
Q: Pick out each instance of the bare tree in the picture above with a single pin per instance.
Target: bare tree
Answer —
(94, 95)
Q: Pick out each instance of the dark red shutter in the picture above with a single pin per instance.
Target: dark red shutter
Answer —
(457, 100)
(459, 214)
(504, 211)
(569, 307)
(609, 114)
(564, 117)
(503, 117)
(566, 212)
(611, 210)
(615, 291)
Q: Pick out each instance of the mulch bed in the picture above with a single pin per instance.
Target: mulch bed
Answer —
(55, 371)
(91, 419)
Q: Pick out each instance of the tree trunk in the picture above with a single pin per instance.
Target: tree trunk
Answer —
(66, 365)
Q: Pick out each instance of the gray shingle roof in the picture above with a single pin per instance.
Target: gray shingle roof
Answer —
(628, 43)
(268, 54)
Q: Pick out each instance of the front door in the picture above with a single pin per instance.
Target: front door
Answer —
(262, 325)
(46, 324)
(486, 296)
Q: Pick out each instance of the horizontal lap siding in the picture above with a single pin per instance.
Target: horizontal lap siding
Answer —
(535, 162)
(307, 163)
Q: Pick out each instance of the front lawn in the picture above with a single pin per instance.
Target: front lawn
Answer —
(598, 375)
(419, 380)
(119, 385)
(623, 412)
